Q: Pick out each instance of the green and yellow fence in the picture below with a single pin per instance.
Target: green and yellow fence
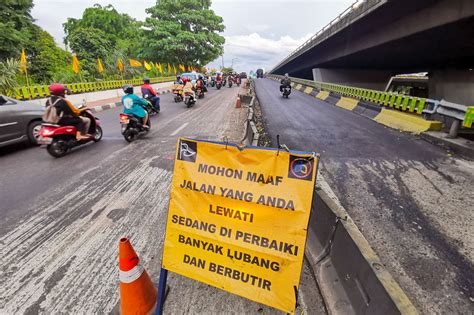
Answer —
(41, 91)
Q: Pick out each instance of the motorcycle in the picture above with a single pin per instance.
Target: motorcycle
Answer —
(155, 109)
(59, 140)
(132, 127)
(219, 84)
(189, 99)
(213, 82)
(200, 93)
(238, 81)
(286, 91)
(178, 95)
(230, 82)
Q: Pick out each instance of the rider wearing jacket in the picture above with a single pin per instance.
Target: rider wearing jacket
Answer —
(200, 83)
(68, 113)
(286, 81)
(133, 105)
(147, 89)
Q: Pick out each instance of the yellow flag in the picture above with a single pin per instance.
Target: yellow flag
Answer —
(75, 64)
(181, 67)
(161, 68)
(146, 65)
(23, 61)
(100, 68)
(189, 68)
(169, 68)
(174, 69)
(135, 63)
(120, 65)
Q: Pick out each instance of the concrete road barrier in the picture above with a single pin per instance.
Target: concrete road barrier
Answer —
(351, 277)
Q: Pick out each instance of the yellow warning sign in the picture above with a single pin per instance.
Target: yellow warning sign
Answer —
(238, 219)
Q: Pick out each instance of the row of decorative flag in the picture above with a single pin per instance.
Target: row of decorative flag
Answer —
(133, 63)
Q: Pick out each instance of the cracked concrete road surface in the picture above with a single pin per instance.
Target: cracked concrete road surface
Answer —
(62, 218)
(410, 199)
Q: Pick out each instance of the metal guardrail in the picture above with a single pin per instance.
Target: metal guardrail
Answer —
(40, 91)
(417, 105)
(358, 9)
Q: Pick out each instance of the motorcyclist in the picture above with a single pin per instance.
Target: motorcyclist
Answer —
(133, 105)
(68, 113)
(147, 89)
(188, 87)
(286, 81)
(201, 84)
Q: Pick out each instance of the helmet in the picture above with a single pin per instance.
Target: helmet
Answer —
(200, 76)
(184, 79)
(146, 80)
(58, 89)
(286, 75)
(128, 89)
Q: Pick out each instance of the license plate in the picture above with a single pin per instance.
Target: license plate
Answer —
(42, 140)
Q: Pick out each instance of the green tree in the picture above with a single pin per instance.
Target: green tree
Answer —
(227, 70)
(89, 44)
(182, 31)
(15, 27)
(119, 29)
(8, 73)
(46, 59)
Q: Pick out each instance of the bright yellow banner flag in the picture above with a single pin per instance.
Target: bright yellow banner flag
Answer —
(159, 67)
(174, 69)
(146, 65)
(238, 218)
(75, 64)
(135, 63)
(169, 68)
(120, 65)
(100, 68)
(181, 67)
(189, 68)
(23, 61)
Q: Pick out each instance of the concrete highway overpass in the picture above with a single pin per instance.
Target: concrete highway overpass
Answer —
(375, 39)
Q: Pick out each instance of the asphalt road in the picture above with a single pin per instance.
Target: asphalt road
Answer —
(62, 218)
(411, 200)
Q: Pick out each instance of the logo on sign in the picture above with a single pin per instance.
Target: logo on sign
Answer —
(187, 151)
(301, 168)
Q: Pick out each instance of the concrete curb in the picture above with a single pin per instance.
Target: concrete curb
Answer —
(464, 151)
(101, 108)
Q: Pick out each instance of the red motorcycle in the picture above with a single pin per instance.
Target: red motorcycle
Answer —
(61, 139)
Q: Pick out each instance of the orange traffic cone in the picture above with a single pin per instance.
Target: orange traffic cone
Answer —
(137, 292)
(237, 103)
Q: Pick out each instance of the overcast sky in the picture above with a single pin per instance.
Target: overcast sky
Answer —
(259, 33)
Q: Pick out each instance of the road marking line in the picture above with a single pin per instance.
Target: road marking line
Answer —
(179, 129)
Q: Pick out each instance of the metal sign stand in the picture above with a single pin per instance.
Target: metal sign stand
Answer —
(161, 291)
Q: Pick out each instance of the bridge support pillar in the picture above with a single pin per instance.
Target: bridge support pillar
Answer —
(455, 86)
(368, 79)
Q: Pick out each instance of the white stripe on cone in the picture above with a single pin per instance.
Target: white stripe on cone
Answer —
(131, 275)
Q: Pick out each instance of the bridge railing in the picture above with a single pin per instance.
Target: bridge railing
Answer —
(406, 103)
(41, 91)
